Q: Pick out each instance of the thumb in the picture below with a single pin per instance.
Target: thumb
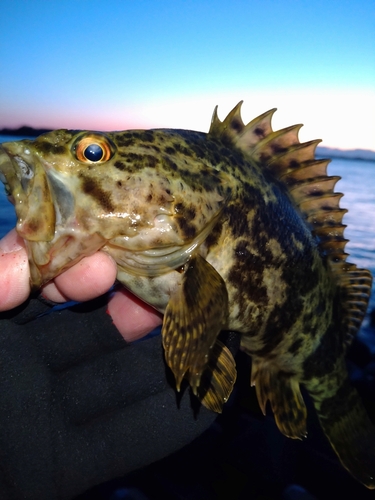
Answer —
(14, 272)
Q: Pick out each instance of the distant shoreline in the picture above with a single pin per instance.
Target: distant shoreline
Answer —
(321, 151)
(348, 154)
(24, 130)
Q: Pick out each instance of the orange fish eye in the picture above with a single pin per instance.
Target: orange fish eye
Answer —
(94, 149)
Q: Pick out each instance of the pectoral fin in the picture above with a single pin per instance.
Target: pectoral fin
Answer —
(194, 316)
(218, 378)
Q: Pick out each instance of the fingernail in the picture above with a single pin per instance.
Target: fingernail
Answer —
(10, 243)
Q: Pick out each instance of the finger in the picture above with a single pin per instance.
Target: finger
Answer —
(14, 272)
(132, 317)
(89, 278)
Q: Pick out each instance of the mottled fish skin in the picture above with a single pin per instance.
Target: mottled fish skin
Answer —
(236, 229)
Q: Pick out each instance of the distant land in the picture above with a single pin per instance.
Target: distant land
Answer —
(24, 130)
(346, 154)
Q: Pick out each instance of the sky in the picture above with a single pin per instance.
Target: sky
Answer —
(120, 64)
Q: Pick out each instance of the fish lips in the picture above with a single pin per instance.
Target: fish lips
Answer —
(11, 173)
(27, 188)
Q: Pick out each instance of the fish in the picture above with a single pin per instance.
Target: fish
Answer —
(235, 229)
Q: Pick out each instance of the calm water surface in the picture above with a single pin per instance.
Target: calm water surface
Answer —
(358, 185)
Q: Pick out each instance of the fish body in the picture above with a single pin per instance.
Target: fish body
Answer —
(238, 229)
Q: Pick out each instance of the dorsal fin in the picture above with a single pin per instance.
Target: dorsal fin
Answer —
(311, 189)
(234, 130)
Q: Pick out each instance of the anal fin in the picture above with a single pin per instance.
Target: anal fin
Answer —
(283, 392)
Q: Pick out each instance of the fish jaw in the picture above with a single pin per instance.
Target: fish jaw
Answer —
(44, 207)
(27, 187)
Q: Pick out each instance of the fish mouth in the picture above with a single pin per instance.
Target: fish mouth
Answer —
(26, 187)
(12, 170)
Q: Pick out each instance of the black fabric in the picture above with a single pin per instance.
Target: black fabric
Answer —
(79, 406)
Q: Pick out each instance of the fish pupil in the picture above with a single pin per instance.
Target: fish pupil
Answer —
(94, 152)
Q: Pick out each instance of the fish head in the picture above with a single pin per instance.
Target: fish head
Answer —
(132, 192)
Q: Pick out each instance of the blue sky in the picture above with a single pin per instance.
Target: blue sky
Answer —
(141, 64)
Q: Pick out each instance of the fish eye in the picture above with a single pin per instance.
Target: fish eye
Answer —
(93, 148)
(93, 152)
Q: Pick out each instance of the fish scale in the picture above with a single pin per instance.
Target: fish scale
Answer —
(236, 229)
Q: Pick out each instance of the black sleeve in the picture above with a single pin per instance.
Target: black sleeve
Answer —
(80, 406)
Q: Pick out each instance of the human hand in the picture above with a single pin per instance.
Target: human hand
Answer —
(88, 279)
(75, 397)
(79, 405)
